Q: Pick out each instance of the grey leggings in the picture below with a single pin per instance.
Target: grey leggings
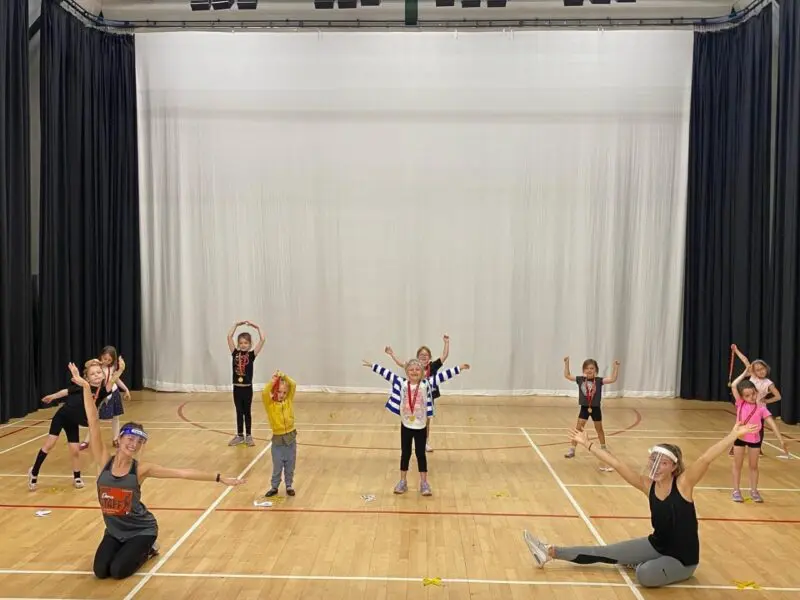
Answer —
(652, 568)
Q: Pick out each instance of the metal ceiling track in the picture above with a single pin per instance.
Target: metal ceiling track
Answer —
(411, 21)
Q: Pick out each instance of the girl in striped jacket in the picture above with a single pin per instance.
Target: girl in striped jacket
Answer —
(411, 400)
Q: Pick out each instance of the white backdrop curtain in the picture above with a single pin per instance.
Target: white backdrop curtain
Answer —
(524, 193)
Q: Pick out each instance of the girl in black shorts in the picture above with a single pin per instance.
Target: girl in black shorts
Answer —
(71, 416)
(590, 393)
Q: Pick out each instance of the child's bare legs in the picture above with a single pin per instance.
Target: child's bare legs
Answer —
(75, 458)
(601, 434)
(115, 429)
(752, 455)
(738, 459)
(571, 452)
(428, 447)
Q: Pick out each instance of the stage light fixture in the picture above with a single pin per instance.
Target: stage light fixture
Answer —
(247, 4)
(573, 2)
(221, 4)
(470, 3)
(495, 3)
(323, 4)
(370, 2)
(625, 1)
(445, 3)
(200, 4)
(347, 3)
(600, 1)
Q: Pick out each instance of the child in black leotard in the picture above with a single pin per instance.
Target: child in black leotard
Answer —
(69, 418)
(243, 358)
(590, 394)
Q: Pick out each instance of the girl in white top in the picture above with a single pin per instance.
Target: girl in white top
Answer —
(411, 400)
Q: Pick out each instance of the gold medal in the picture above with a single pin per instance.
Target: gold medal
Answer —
(241, 379)
(412, 418)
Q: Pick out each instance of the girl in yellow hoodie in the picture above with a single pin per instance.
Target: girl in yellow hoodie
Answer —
(278, 399)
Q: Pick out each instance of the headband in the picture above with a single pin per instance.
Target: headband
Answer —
(130, 430)
(665, 452)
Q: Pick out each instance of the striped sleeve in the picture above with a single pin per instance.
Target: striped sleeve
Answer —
(396, 395)
(443, 375)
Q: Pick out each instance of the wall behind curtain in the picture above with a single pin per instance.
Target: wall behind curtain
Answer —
(727, 239)
(89, 245)
(525, 194)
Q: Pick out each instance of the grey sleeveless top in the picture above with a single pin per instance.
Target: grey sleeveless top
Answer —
(121, 502)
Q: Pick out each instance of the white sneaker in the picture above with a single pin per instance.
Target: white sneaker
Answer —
(537, 549)
(428, 448)
(31, 480)
(78, 483)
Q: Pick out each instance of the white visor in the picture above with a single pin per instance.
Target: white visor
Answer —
(656, 454)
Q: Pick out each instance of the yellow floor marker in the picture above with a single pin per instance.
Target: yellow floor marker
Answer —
(746, 585)
(432, 581)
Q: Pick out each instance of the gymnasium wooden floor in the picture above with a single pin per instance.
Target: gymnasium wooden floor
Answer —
(497, 469)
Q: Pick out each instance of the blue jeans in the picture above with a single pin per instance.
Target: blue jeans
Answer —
(284, 458)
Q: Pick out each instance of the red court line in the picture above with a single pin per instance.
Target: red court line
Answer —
(634, 425)
(390, 512)
(22, 429)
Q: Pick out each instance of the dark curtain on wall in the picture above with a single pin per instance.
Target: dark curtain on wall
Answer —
(89, 243)
(17, 391)
(727, 229)
(785, 343)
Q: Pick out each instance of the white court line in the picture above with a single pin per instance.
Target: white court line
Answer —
(628, 486)
(194, 526)
(519, 582)
(781, 449)
(637, 594)
(23, 443)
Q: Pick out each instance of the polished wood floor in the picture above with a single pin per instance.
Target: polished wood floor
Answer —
(497, 469)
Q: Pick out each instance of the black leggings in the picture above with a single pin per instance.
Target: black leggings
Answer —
(417, 436)
(243, 400)
(119, 560)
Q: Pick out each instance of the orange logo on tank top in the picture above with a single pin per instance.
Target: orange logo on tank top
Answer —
(115, 502)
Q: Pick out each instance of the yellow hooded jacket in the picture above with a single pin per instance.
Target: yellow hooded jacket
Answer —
(280, 414)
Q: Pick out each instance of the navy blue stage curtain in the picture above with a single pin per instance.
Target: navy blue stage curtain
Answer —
(89, 279)
(785, 342)
(17, 389)
(727, 238)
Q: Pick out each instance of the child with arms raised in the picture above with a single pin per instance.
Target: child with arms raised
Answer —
(278, 399)
(410, 399)
(590, 394)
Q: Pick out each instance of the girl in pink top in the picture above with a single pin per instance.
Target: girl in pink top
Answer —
(767, 391)
(749, 412)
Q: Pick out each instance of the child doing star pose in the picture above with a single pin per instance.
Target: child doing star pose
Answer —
(590, 393)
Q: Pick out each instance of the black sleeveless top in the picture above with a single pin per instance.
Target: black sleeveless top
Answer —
(674, 522)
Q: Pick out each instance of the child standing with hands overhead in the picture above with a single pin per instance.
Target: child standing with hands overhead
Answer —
(768, 393)
(410, 399)
(243, 358)
(590, 393)
(749, 412)
(278, 399)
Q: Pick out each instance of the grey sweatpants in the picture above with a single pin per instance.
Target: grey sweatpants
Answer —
(652, 568)
(283, 460)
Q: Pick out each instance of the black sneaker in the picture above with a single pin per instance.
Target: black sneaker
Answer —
(271, 492)
(290, 491)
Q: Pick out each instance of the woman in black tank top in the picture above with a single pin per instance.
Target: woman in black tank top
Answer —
(671, 553)
(131, 529)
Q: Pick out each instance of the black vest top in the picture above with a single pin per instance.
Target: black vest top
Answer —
(674, 522)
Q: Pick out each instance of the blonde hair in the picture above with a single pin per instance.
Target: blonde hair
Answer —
(92, 362)
(413, 361)
(426, 349)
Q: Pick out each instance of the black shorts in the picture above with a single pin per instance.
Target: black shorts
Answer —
(596, 414)
(739, 442)
(63, 420)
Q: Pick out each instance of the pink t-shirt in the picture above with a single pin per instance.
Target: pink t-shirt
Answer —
(751, 414)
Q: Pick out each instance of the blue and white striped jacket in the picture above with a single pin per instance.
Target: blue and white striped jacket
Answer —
(396, 396)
